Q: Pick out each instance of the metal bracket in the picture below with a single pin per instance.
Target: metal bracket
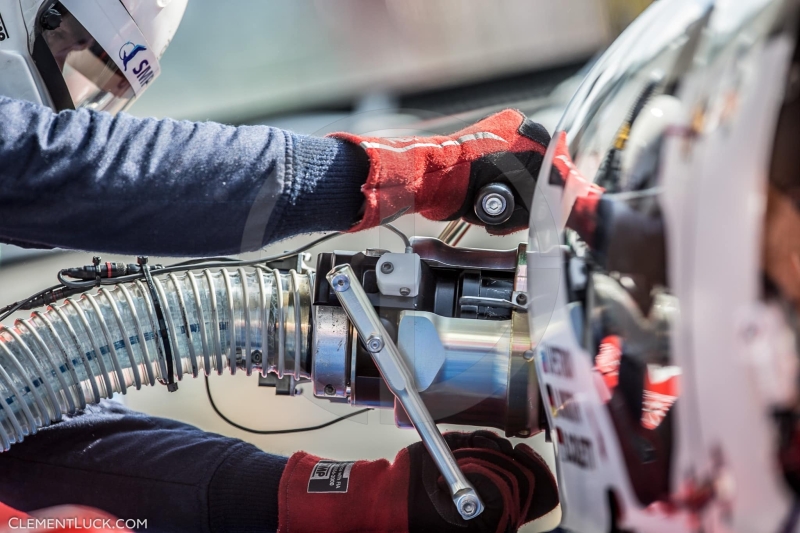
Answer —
(400, 381)
(285, 386)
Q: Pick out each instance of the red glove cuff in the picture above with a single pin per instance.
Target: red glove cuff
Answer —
(340, 497)
(431, 175)
(382, 497)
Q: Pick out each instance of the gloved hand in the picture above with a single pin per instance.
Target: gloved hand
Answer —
(409, 494)
(439, 176)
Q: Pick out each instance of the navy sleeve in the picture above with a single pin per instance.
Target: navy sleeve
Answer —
(135, 466)
(120, 184)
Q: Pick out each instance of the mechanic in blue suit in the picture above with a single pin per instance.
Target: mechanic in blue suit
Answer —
(92, 181)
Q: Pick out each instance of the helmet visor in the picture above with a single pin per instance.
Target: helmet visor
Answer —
(92, 77)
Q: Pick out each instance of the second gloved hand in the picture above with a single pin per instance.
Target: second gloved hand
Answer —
(409, 494)
(439, 176)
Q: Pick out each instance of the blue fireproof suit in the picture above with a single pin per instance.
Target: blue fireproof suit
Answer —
(89, 181)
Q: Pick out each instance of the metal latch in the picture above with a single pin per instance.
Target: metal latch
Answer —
(400, 381)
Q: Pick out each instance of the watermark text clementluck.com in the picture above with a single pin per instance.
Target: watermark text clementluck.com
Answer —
(32, 523)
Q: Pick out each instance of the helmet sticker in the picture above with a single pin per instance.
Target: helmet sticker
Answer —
(3, 31)
(128, 52)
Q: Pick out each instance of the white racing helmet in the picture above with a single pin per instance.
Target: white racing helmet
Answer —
(666, 341)
(99, 54)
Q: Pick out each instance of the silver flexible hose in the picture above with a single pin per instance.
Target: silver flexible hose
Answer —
(90, 347)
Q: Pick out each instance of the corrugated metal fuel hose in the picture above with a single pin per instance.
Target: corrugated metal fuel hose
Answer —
(87, 348)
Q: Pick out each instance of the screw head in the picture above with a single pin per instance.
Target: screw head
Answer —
(405, 291)
(494, 204)
(522, 299)
(374, 343)
(528, 355)
(255, 357)
(387, 267)
(330, 390)
(468, 506)
(340, 283)
(50, 19)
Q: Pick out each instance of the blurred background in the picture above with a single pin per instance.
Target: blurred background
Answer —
(367, 66)
(242, 60)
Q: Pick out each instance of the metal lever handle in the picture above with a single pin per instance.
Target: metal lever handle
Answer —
(400, 381)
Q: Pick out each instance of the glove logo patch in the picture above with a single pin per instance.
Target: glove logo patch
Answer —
(330, 476)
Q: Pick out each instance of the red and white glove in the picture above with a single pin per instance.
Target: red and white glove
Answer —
(439, 176)
(409, 494)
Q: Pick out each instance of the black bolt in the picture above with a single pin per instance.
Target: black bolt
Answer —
(405, 291)
(50, 19)
(522, 299)
(387, 267)
(330, 390)
(142, 259)
(494, 194)
(96, 260)
(256, 357)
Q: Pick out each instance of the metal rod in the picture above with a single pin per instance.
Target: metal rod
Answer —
(400, 381)
(454, 232)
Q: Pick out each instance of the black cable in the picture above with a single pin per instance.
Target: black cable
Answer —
(10, 309)
(222, 262)
(196, 264)
(69, 288)
(276, 431)
(239, 262)
(75, 284)
(192, 264)
(165, 346)
(205, 260)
